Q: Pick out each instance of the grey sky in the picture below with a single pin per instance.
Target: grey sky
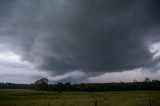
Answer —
(79, 40)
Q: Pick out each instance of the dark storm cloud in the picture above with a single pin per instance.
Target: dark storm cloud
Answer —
(92, 36)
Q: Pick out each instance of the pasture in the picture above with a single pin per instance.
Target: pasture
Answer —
(21, 97)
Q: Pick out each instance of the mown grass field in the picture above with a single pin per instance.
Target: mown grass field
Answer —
(22, 97)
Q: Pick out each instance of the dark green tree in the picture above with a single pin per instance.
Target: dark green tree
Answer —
(41, 84)
(147, 79)
(60, 87)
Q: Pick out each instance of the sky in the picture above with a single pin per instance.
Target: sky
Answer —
(79, 41)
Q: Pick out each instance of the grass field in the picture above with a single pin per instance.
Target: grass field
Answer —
(34, 98)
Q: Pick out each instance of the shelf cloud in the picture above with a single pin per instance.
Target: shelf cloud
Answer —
(91, 36)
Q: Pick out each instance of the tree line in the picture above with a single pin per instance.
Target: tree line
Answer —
(43, 85)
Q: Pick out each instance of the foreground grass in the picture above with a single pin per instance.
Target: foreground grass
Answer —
(34, 98)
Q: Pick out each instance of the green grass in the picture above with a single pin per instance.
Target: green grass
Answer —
(34, 98)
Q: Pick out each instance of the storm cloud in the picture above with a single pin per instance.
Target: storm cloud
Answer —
(91, 36)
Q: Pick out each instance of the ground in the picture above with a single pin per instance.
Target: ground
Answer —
(12, 97)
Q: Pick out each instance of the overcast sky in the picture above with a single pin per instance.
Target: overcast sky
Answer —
(79, 40)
